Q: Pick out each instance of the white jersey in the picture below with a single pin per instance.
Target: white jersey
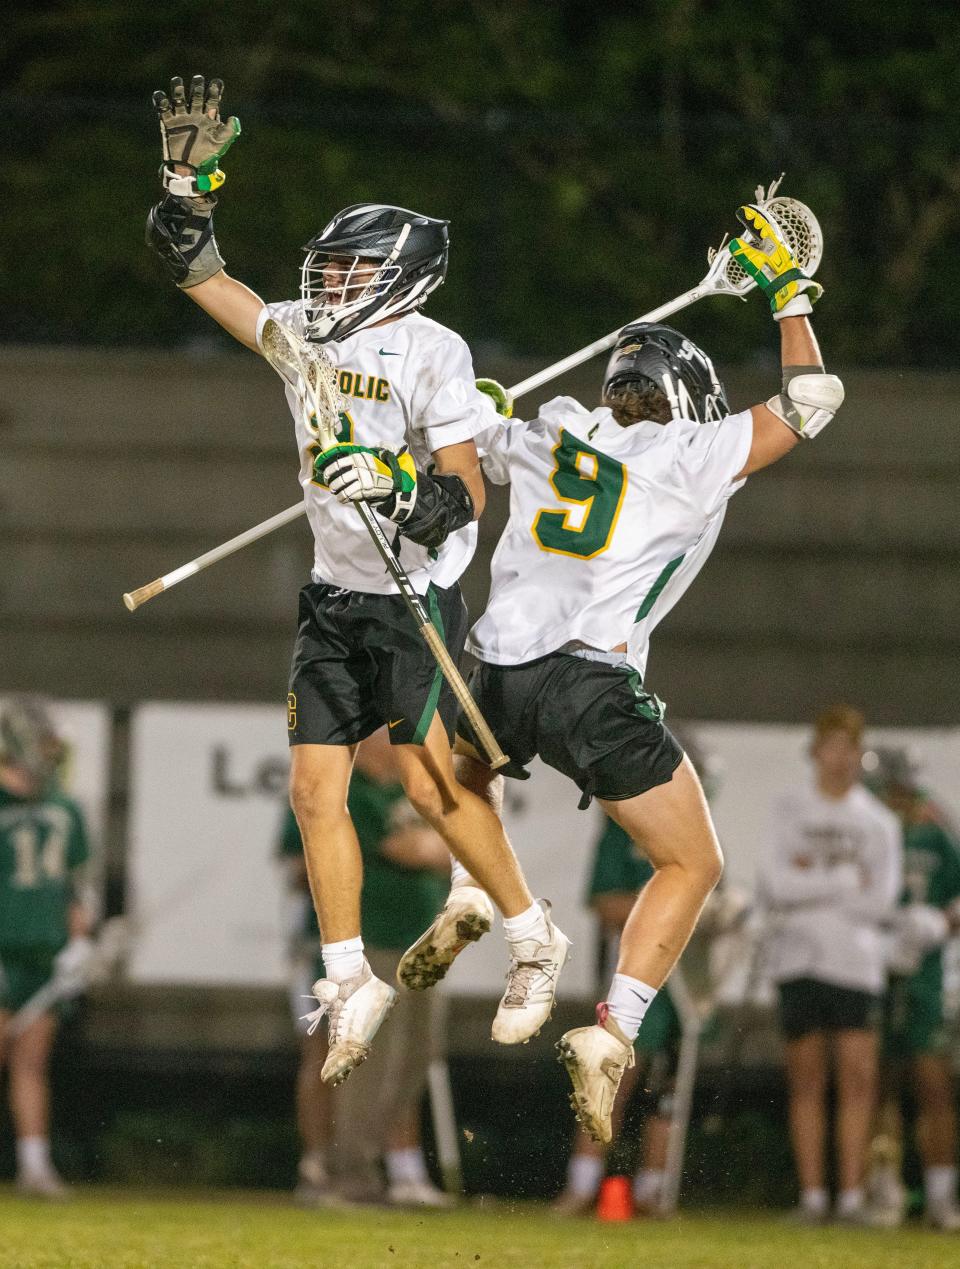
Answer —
(831, 875)
(410, 383)
(608, 527)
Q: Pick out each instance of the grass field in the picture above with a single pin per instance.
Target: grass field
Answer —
(123, 1230)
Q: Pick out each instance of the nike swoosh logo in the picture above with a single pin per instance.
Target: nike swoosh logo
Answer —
(395, 724)
(645, 999)
(386, 353)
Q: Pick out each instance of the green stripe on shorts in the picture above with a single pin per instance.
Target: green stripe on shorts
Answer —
(426, 718)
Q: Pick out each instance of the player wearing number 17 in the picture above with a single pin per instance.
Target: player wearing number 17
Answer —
(359, 661)
(613, 512)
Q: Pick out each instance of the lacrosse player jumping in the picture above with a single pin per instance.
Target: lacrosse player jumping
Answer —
(613, 512)
(411, 403)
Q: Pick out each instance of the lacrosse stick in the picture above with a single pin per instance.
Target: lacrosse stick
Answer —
(105, 953)
(800, 230)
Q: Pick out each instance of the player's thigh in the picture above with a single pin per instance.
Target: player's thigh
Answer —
(320, 780)
(806, 1057)
(671, 823)
(30, 1049)
(933, 1081)
(427, 774)
(856, 1060)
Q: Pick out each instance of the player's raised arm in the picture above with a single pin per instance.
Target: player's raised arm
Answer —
(180, 226)
(809, 397)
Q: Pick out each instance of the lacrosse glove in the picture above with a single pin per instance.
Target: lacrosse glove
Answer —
(426, 509)
(501, 398)
(194, 136)
(767, 259)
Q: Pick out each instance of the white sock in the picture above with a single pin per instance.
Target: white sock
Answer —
(313, 1167)
(940, 1186)
(628, 1001)
(647, 1185)
(459, 875)
(33, 1155)
(407, 1167)
(849, 1201)
(584, 1172)
(814, 1200)
(343, 960)
(528, 925)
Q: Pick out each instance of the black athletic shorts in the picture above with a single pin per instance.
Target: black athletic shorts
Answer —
(360, 662)
(807, 1005)
(591, 721)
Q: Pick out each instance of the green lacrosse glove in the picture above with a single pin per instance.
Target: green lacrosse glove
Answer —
(766, 258)
(194, 136)
(501, 398)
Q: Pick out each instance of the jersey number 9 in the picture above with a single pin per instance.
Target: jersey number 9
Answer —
(594, 482)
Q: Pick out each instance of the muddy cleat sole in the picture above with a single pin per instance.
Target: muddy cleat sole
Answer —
(466, 916)
(595, 1058)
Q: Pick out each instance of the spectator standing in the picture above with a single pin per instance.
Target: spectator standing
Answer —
(830, 879)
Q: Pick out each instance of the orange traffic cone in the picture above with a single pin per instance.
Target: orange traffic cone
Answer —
(615, 1201)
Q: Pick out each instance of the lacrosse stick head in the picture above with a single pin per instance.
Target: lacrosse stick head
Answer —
(797, 227)
(312, 376)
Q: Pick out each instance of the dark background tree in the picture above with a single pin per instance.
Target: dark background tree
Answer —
(586, 155)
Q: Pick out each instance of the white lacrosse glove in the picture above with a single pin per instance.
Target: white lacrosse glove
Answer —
(763, 254)
(918, 929)
(194, 136)
(356, 473)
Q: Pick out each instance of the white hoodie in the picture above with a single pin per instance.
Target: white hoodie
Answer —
(831, 876)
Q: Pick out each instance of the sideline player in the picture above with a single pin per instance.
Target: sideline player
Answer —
(613, 512)
(359, 661)
(916, 1039)
(43, 845)
(830, 878)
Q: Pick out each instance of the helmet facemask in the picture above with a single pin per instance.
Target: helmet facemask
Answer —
(385, 262)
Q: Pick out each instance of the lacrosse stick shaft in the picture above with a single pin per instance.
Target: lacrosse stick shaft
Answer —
(602, 345)
(448, 667)
(133, 599)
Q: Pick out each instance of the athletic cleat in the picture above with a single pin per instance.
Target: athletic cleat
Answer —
(595, 1058)
(44, 1184)
(466, 916)
(419, 1194)
(531, 990)
(570, 1203)
(944, 1217)
(355, 1010)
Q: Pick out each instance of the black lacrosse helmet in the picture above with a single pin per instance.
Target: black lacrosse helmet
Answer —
(411, 250)
(662, 356)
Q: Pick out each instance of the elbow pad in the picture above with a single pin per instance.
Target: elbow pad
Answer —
(180, 231)
(443, 505)
(809, 400)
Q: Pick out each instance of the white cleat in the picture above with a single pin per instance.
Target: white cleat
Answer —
(945, 1217)
(45, 1184)
(419, 1194)
(354, 1010)
(466, 916)
(531, 985)
(596, 1058)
